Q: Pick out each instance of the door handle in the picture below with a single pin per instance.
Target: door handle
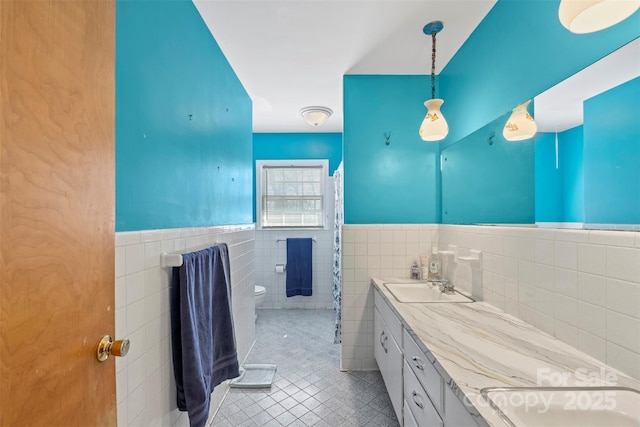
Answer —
(107, 347)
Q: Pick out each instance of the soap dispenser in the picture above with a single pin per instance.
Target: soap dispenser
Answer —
(435, 266)
(415, 271)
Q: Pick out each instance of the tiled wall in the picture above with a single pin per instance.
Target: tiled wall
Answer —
(145, 386)
(373, 251)
(581, 286)
(270, 252)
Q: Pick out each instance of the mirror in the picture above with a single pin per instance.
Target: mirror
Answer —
(585, 175)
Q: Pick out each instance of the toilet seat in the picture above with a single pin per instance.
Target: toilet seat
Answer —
(260, 290)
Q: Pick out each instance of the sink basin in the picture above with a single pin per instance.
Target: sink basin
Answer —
(423, 292)
(566, 406)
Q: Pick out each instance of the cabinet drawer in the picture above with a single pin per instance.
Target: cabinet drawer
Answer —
(390, 360)
(409, 421)
(393, 323)
(424, 371)
(419, 403)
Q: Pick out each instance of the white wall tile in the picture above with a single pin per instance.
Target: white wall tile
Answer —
(567, 333)
(592, 289)
(592, 258)
(612, 238)
(566, 282)
(623, 359)
(623, 297)
(142, 300)
(592, 319)
(566, 255)
(623, 331)
(134, 259)
(566, 309)
(623, 263)
(592, 345)
(544, 251)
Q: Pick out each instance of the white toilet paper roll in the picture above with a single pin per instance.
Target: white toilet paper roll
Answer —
(279, 268)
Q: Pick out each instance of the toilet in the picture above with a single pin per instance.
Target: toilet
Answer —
(260, 292)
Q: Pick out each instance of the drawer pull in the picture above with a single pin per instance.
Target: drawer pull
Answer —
(383, 340)
(416, 401)
(418, 363)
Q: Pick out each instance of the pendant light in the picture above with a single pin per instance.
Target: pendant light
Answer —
(434, 127)
(520, 125)
(587, 16)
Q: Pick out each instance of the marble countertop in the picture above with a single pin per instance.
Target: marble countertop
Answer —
(475, 345)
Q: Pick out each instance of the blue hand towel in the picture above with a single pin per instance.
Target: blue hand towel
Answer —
(299, 270)
(202, 336)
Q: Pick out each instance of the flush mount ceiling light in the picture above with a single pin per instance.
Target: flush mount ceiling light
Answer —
(587, 16)
(316, 115)
(434, 127)
(520, 125)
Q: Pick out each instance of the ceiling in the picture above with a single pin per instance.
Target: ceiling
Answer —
(290, 54)
(560, 107)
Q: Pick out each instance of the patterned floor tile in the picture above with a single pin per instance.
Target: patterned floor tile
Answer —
(308, 389)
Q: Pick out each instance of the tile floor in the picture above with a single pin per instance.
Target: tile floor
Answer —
(308, 388)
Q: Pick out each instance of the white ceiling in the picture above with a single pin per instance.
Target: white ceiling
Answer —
(560, 108)
(291, 54)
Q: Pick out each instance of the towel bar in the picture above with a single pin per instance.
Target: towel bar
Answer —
(282, 239)
(175, 259)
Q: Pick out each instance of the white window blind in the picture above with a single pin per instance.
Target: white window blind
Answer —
(292, 196)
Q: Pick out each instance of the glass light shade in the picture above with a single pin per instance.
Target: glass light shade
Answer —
(520, 125)
(587, 16)
(316, 115)
(434, 127)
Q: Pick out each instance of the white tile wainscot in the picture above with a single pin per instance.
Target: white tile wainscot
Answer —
(373, 251)
(269, 252)
(580, 286)
(473, 346)
(145, 386)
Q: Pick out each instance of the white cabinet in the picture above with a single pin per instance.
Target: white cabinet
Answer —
(409, 420)
(388, 352)
(456, 415)
(417, 399)
(424, 371)
(444, 402)
(419, 395)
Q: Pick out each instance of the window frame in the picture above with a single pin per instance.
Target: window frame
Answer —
(319, 163)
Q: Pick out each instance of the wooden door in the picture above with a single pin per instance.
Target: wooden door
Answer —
(57, 130)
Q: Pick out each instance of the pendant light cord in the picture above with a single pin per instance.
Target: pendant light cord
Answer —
(433, 65)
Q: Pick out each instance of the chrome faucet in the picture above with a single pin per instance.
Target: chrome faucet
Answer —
(445, 286)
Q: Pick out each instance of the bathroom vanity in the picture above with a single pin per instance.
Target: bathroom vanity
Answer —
(437, 359)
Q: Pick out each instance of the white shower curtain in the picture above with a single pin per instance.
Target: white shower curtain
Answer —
(337, 252)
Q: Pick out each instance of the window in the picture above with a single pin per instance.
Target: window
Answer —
(291, 194)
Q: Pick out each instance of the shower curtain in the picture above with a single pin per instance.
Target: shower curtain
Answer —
(337, 253)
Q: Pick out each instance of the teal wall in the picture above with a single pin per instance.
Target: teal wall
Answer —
(548, 180)
(519, 50)
(296, 146)
(183, 122)
(570, 155)
(395, 183)
(612, 156)
(560, 191)
(486, 179)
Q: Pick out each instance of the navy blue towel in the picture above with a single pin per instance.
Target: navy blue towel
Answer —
(202, 336)
(299, 271)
